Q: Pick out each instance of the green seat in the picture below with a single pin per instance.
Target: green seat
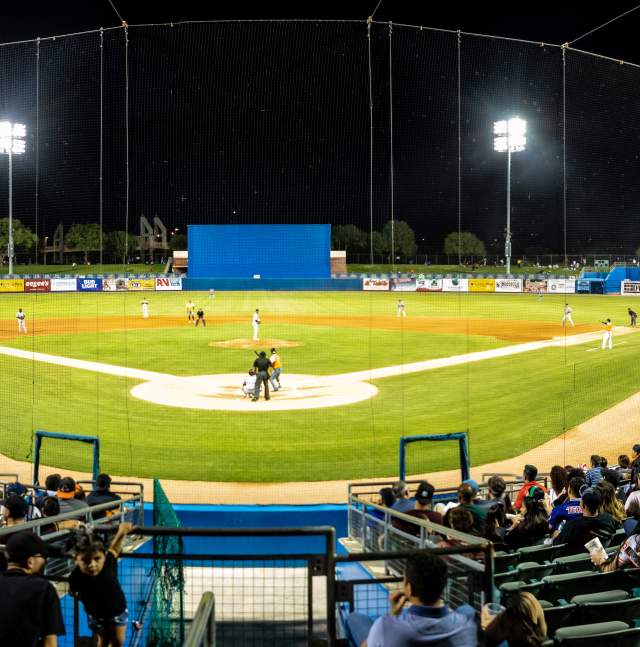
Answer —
(503, 562)
(528, 571)
(510, 588)
(567, 585)
(627, 610)
(613, 595)
(586, 631)
(609, 634)
(508, 576)
(560, 616)
(572, 564)
(545, 604)
(539, 554)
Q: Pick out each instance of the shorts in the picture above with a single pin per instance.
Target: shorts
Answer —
(99, 624)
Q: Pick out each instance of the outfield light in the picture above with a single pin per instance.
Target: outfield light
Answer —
(12, 142)
(510, 137)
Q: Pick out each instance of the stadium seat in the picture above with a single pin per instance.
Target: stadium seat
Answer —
(528, 571)
(566, 586)
(612, 595)
(611, 634)
(503, 562)
(623, 610)
(559, 616)
(539, 554)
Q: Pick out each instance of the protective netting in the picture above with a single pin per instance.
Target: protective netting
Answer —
(298, 122)
(167, 617)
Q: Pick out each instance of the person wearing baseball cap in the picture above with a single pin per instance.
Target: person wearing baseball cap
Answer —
(30, 613)
(67, 496)
(102, 494)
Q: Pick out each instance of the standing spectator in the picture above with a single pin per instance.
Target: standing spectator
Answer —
(262, 365)
(67, 498)
(30, 613)
(593, 475)
(577, 532)
(521, 624)
(421, 510)
(530, 473)
(530, 526)
(426, 620)
(558, 492)
(94, 580)
(102, 494)
(570, 509)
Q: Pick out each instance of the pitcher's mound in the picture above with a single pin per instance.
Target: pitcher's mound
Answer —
(243, 344)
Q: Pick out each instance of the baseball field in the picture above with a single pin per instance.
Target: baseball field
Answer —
(164, 396)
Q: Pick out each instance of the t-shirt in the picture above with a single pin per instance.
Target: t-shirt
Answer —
(570, 509)
(412, 528)
(628, 554)
(632, 504)
(30, 609)
(262, 364)
(69, 505)
(101, 594)
(425, 625)
(593, 476)
(578, 532)
(524, 490)
(99, 496)
(275, 360)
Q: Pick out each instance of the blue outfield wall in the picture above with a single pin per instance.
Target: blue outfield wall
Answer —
(289, 285)
(272, 251)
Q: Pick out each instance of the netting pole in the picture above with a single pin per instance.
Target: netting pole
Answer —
(126, 113)
(564, 151)
(391, 180)
(100, 187)
(459, 153)
(37, 143)
(369, 20)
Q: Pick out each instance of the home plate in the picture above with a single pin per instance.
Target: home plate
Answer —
(224, 392)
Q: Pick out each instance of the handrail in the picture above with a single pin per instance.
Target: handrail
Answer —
(202, 632)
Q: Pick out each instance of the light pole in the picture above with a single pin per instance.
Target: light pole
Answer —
(510, 137)
(12, 142)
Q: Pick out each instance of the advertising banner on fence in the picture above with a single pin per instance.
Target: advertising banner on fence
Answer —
(508, 285)
(11, 285)
(428, 285)
(583, 286)
(375, 284)
(142, 284)
(403, 285)
(534, 285)
(89, 285)
(64, 285)
(37, 285)
(561, 286)
(455, 285)
(174, 283)
(630, 287)
(482, 285)
(113, 285)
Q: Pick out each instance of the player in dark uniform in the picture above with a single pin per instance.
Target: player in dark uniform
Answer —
(200, 315)
(634, 317)
(262, 365)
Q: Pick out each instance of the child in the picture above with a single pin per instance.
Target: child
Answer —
(249, 384)
(94, 581)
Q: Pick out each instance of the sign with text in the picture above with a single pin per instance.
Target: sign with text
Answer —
(375, 284)
(166, 283)
(37, 285)
(561, 286)
(403, 284)
(455, 285)
(114, 285)
(11, 285)
(64, 285)
(482, 285)
(89, 285)
(508, 285)
(630, 287)
(428, 285)
(141, 284)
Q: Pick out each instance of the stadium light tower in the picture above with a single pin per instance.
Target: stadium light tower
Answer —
(12, 142)
(510, 137)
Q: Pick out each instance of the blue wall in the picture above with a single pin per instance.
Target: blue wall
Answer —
(294, 285)
(272, 251)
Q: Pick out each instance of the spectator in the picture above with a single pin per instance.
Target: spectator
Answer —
(496, 495)
(632, 504)
(17, 489)
(594, 475)
(530, 474)
(465, 501)
(558, 492)
(94, 580)
(50, 508)
(577, 532)
(495, 527)
(51, 486)
(623, 467)
(570, 509)
(521, 624)
(612, 476)
(627, 556)
(401, 493)
(15, 511)
(421, 510)
(610, 503)
(635, 462)
(575, 472)
(102, 494)
(530, 526)
(66, 497)
(427, 618)
(30, 612)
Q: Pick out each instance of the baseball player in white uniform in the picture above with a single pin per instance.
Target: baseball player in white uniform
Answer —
(568, 311)
(256, 324)
(145, 308)
(249, 384)
(191, 308)
(400, 311)
(22, 321)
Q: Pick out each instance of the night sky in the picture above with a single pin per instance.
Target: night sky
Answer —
(270, 123)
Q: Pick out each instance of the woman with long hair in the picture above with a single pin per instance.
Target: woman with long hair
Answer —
(521, 624)
(611, 503)
(533, 525)
(559, 481)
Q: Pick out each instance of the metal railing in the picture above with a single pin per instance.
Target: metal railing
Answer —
(202, 632)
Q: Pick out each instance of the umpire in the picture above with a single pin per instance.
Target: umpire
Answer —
(262, 365)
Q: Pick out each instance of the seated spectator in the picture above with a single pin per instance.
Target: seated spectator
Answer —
(610, 503)
(612, 477)
(30, 613)
(50, 508)
(558, 492)
(465, 501)
(628, 556)
(15, 508)
(459, 519)
(632, 504)
(401, 493)
(495, 527)
(635, 462)
(421, 510)
(17, 489)
(593, 475)
(102, 494)
(521, 624)
(529, 526)
(51, 485)
(577, 532)
(530, 474)
(570, 509)
(67, 499)
(623, 467)
(496, 495)
(427, 619)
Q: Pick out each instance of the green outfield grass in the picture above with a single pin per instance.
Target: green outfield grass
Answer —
(508, 405)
